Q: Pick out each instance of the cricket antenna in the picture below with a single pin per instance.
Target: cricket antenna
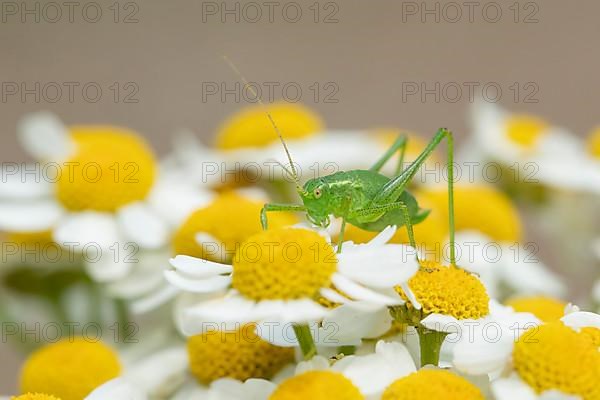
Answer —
(255, 94)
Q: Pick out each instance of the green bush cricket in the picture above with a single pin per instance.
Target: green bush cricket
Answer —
(366, 199)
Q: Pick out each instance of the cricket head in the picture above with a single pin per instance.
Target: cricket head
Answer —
(316, 197)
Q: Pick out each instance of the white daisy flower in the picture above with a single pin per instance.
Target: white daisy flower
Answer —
(277, 286)
(482, 346)
(545, 153)
(538, 362)
(98, 189)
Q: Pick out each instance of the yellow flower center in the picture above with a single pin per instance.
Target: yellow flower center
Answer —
(69, 369)
(34, 396)
(525, 130)
(553, 356)
(478, 207)
(429, 384)
(111, 168)
(230, 219)
(594, 143)
(449, 291)
(283, 264)
(251, 127)
(591, 334)
(238, 354)
(317, 385)
(546, 309)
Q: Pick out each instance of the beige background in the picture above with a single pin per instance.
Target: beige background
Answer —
(368, 54)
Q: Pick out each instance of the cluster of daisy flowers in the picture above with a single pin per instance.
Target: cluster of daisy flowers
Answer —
(193, 295)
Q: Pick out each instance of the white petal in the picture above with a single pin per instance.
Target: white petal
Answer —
(160, 371)
(117, 389)
(350, 323)
(45, 137)
(384, 236)
(581, 319)
(29, 216)
(411, 296)
(231, 389)
(223, 313)
(142, 226)
(333, 296)
(280, 334)
(24, 181)
(207, 285)
(557, 395)
(440, 323)
(199, 268)
(359, 292)
(381, 267)
(88, 228)
(512, 388)
(175, 201)
(153, 300)
(102, 266)
(375, 372)
(301, 311)
(476, 356)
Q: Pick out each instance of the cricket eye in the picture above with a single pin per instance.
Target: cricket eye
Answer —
(317, 193)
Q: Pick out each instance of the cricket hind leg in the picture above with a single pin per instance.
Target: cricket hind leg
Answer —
(386, 208)
(394, 188)
(277, 207)
(398, 145)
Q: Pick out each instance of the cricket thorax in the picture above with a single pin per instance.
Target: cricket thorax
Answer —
(337, 194)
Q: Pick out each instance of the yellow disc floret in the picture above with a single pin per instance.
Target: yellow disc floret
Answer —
(554, 356)
(111, 167)
(429, 384)
(283, 264)
(545, 308)
(34, 396)
(69, 369)
(317, 385)
(237, 354)
(525, 130)
(594, 143)
(479, 207)
(449, 291)
(230, 219)
(251, 127)
(591, 334)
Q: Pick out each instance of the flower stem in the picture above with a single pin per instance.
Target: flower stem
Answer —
(305, 339)
(431, 343)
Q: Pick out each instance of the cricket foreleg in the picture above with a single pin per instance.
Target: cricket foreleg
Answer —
(277, 207)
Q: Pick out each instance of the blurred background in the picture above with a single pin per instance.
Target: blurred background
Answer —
(156, 66)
